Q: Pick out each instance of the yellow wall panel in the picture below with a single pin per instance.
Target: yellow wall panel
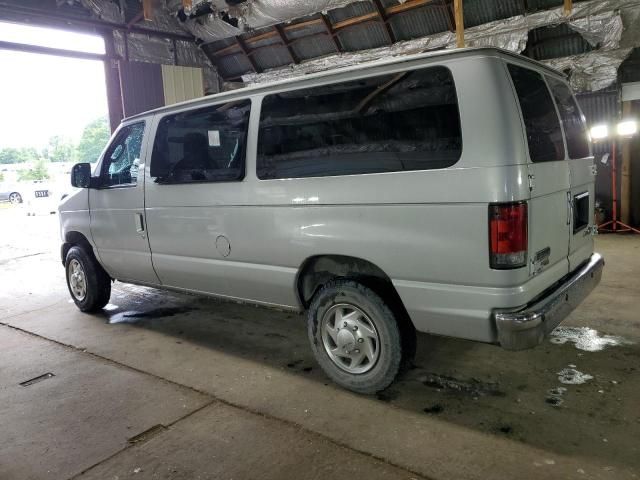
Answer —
(181, 83)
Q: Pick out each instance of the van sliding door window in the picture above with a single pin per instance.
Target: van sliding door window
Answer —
(397, 122)
(539, 114)
(575, 130)
(202, 145)
(122, 159)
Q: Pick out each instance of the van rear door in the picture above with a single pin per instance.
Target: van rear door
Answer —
(549, 174)
(581, 173)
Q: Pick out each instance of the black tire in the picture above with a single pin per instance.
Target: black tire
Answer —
(98, 283)
(390, 356)
(15, 197)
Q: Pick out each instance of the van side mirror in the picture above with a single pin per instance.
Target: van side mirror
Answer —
(81, 175)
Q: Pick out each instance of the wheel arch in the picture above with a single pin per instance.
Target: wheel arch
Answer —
(73, 239)
(317, 270)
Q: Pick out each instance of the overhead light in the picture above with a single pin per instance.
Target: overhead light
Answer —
(598, 132)
(627, 128)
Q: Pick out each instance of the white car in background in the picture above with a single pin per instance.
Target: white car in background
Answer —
(10, 193)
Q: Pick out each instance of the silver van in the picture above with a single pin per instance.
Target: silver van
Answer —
(450, 193)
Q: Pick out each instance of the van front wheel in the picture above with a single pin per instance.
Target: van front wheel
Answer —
(89, 285)
(354, 336)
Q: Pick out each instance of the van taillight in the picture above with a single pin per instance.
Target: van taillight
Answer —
(508, 235)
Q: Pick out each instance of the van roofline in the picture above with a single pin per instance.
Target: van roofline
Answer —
(258, 87)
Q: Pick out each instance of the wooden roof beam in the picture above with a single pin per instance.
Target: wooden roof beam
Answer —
(332, 34)
(245, 50)
(285, 42)
(568, 7)
(148, 9)
(383, 16)
(332, 29)
(459, 16)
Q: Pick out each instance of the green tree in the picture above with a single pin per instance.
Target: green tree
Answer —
(94, 138)
(59, 149)
(18, 155)
(39, 171)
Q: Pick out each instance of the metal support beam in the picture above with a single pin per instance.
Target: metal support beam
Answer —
(383, 16)
(136, 19)
(247, 54)
(50, 19)
(59, 52)
(112, 82)
(625, 171)
(459, 16)
(332, 34)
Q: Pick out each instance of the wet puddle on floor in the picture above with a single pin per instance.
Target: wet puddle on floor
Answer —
(554, 396)
(586, 339)
(132, 316)
(472, 387)
(571, 376)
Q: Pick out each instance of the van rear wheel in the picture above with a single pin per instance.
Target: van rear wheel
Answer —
(354, 336)
(89, 285)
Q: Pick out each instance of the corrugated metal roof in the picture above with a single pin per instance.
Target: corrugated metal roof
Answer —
(317, 46)
(350, 11)
(234, 65)
(312, 41)
(555, 42)
(477, 12)
(543, 4)
(305, 31)
(362, 36)
(263, 42)
(416, 23)
(274, 56)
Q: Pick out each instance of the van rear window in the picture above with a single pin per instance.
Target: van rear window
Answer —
(542, 125)
(396, 122)
(575, 130)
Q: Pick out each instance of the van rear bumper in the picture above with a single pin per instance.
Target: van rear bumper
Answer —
(527, 326)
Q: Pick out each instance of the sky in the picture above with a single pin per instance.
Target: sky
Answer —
(43, 95)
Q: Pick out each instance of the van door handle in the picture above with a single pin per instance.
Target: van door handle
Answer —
(140, 224)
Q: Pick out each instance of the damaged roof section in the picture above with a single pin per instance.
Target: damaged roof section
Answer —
(585, 43)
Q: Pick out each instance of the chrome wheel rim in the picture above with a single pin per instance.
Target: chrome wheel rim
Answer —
(77, 280)
(14, 198)
(350, 338)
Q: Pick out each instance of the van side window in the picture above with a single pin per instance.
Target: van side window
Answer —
(388, 123)
(575, 130)
(203, 145)
(542, 125)
(122, 158)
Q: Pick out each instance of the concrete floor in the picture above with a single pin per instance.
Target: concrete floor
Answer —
(171, 386)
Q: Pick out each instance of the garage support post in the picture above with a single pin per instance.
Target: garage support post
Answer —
(112, 80)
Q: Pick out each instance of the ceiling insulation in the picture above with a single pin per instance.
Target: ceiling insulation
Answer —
(604, 24)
